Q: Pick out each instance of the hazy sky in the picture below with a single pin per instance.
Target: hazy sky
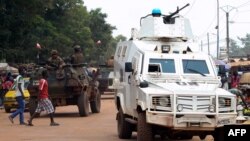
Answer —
(126, 14)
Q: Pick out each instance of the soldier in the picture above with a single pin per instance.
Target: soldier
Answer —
(55, 60)
(77, 60)
(77, 57)
(57, 63)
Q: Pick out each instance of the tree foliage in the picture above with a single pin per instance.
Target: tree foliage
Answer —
(242, 48)
(54, 24)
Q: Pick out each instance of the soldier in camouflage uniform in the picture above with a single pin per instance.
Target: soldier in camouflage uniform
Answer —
(55, 60)
(77, 60)
(77, 57)
(57, 63)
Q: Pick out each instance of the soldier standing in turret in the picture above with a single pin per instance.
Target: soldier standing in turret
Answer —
(77, 57)
(55, 60)
(77, 60)
(57, 63)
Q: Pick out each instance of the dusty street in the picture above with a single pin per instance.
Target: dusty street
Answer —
(95, 127)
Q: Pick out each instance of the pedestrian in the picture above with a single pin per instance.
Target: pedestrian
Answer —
(44, 102)
(19, 86)
(6, 84)
(235, 80)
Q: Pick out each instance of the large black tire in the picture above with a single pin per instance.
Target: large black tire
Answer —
(202, 136)
(144, 130)
(7, 109)
(180, 136)
(32, 105)
(95, 104)
(83, 105)
(218, 134)
(123, 127)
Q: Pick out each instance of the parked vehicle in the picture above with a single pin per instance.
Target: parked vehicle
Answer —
(105, 80)
(10, 97)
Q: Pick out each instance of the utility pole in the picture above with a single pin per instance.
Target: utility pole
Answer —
(201, 46)
(227, 9)
(218, 32)
(208, 48)
(227, 39)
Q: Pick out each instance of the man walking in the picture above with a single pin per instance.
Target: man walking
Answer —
(19, 85)
(44, 102)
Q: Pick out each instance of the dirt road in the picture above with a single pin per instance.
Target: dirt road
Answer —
(95, 127)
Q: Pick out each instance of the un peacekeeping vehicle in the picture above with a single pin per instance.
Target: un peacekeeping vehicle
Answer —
(165, 86)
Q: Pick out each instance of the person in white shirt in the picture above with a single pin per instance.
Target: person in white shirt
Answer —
(19, 85)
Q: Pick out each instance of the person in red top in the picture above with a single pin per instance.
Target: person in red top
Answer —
(6, 84)
(235, 79)
(44, 102)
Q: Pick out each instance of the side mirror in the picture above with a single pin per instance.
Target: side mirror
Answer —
(222, 69)
(128, 67)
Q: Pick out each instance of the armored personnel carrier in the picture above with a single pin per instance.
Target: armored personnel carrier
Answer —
(165, 86)
(76, 87)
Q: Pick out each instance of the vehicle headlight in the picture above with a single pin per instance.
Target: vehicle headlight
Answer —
(164, 102)
(211, 108)
(179, 107)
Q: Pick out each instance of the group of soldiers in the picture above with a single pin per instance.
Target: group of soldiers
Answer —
(55, 61)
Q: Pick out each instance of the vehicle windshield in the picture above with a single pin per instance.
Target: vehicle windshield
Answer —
(195, 66)
(161, 65)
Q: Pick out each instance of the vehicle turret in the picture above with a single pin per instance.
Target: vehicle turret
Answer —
(157, 25)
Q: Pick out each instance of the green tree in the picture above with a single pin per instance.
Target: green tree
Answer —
(101, 34)
(112, 46)
(235, 49)
(246, 44)
(55, 24)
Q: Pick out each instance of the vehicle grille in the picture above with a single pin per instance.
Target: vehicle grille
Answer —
(157, 101)
(194, 103)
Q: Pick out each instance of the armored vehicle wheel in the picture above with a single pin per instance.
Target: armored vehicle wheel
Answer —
(95, 103)
(32, 105)
(144, 130)
(180, 136)
(83, 104)
(202, 136)
(7, 109)
(218, 134)
(123, 127)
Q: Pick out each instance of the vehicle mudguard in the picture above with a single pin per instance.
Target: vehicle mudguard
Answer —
(142, 105)
(121, 102)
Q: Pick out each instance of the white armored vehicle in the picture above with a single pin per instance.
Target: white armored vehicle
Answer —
(165, 86)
